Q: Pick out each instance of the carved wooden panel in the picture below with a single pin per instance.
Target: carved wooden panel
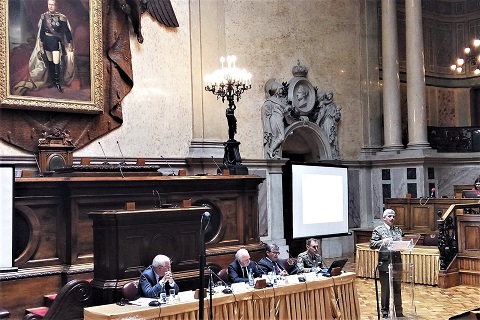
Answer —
(53, 229)
(421, 218)
(469, 234)
(420, 215)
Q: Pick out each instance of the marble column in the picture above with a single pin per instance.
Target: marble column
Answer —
(417, 112)
(391, 81)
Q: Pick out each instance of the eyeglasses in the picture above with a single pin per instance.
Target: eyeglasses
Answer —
(275, 252)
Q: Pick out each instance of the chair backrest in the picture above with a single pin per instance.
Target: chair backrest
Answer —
(130, 290)
(290, 265)
(431, 239)
(70, 301)
(223, 274)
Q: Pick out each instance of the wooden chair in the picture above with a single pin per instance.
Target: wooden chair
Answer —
(69, 303)
(431, 239)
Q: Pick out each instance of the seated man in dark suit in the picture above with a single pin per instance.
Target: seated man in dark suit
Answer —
(157, 278)
(239, 268)
(271, 263)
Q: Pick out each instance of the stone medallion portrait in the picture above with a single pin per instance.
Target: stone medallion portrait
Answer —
(302, 95)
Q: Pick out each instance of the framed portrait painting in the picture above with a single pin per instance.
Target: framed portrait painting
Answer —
(51, 55)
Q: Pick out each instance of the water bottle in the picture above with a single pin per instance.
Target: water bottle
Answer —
(251, 281)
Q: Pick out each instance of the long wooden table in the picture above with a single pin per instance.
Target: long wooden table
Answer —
(323, 298)
(424, 259)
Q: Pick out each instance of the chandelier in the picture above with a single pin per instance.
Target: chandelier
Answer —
(470, 61)
(229, 83)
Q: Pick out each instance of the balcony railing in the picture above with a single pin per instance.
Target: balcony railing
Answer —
(454, 139)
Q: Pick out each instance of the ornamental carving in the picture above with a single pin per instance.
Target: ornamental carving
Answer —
(298, 101)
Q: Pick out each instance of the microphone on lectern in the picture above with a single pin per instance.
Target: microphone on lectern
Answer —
(123, 158)
(106, 160)
(159, 199)
(219, 171)
(154, 200)
(173, 172)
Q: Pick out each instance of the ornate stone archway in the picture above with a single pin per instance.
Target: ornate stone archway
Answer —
(299, 119)
(306, 139)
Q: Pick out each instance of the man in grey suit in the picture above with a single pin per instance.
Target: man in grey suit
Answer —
(382, 236)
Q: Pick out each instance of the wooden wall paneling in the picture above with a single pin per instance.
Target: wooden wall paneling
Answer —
(402, 211)
(469, 235)
(42, 223)
(126, 241)
(62, 237)
(421, 218)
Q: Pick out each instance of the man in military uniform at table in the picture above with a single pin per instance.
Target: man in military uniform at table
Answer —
(310, 260)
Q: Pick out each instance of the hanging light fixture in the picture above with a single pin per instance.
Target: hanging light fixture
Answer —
(470, 61)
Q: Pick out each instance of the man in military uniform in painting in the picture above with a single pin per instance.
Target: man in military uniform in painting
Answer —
(310, 260)
(54, 38)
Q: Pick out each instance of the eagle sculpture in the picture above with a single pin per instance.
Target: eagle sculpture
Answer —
(161, 10)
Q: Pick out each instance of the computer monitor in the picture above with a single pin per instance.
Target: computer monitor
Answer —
(470, 194)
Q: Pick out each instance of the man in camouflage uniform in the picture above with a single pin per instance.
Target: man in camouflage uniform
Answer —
(382, 236)
(310, 258)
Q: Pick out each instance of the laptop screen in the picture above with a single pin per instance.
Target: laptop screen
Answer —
(469, 194)
(337, 264)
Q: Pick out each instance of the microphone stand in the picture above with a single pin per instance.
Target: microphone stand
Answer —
(211, 294)
(201, 294)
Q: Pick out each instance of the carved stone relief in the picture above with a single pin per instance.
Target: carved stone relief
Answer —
(298, 104)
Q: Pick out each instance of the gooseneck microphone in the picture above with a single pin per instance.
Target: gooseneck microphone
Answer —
(227, 288)
(159, 199)
(106, 160)
(173, 172)
(260, 269)
(123, 158)
(219, 171)
(154, 199)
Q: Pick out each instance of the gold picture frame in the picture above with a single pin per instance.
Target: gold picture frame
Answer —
(85, 93)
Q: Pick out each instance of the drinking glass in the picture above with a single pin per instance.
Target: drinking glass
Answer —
(172, 295)
(163, 298)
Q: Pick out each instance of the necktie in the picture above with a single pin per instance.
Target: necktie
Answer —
(277, 269)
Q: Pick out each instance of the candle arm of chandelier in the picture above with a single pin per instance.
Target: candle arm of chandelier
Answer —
(471, 57)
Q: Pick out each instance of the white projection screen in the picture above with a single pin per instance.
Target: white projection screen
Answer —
(7, 179)
(319, 200)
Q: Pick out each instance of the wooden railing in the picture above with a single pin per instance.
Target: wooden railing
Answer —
(449, 238)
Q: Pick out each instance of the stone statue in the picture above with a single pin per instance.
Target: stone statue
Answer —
(327, 120)
(274, 110)
(298, 102)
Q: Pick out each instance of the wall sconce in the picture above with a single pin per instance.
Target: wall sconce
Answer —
(229, 82)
